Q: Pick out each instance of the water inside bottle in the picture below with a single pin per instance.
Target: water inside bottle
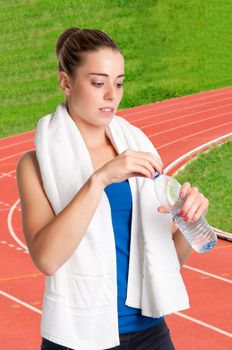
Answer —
(199, 236)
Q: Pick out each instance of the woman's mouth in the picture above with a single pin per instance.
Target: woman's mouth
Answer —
(107, 111)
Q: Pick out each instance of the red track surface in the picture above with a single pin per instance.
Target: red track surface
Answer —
(176, 127)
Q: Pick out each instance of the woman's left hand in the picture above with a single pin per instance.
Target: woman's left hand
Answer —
(195, 204)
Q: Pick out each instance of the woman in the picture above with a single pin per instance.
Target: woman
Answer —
(84, 155)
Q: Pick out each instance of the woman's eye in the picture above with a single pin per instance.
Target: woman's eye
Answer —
(97, 84)
(100, 84)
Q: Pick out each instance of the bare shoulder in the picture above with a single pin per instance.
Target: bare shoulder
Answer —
(28, 169)
(27, 162)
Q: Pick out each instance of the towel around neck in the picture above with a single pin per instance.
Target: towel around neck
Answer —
(82, 293)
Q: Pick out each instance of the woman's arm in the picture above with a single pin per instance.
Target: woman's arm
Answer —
(51, 239)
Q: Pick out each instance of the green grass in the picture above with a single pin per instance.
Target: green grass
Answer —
(211, 173)
(171, 48)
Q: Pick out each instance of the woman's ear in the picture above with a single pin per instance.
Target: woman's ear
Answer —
(64, 83)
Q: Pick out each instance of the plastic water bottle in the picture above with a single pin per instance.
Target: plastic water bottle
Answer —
(199, 233)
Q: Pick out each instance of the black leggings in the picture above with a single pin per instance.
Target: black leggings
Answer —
(153, 338)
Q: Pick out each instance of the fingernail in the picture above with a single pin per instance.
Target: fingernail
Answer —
(186, 219)
(181, 194)
(182, 213)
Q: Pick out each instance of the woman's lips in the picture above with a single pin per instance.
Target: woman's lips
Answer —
(107, 112)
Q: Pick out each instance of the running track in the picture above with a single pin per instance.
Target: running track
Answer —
(179, 128)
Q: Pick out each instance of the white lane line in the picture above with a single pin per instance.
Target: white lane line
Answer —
(190, 135)
(8, 174)
(194, 150)
(7, 205)
(185, 116)
(192, 319)
(204, 324)
(16, 154)
(176, 101)
(195, 122)
(16, 143)
(12, 246)
(9, 296)
(189, 124)
(180, 110)
(10, 227)
(223, 234)
(208, 274)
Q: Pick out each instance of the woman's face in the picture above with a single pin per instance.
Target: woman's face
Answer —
(90, 92)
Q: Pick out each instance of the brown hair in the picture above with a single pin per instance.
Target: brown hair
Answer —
(74, 42)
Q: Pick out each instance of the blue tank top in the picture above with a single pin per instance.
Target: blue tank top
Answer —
(130, 319)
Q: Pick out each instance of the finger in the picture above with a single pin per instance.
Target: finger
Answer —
(134, 168)
(162, 209)
(139, 174)
(147, 165)
(185, 188)
(192, 210)
(139, 170)
(138, 157)
(192, 203)
(201, 211)
(190, 197)
(155, 161)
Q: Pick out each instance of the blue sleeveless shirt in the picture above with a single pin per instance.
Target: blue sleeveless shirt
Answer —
(119, 195)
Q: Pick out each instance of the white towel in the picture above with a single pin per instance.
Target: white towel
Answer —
(83, 292)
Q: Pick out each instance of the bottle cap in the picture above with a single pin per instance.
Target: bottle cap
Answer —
(156, 174)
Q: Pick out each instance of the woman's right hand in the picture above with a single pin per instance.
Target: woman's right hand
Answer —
(128, 164)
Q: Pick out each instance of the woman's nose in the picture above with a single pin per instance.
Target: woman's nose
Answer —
(110, 93)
